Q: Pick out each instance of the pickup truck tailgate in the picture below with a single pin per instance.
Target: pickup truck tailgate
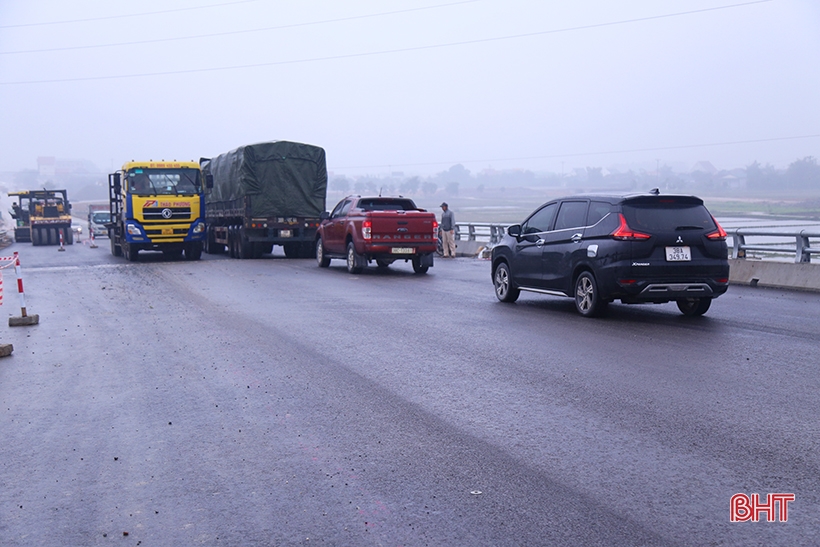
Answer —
(403, 226)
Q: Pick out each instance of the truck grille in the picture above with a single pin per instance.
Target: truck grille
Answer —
(166, 213)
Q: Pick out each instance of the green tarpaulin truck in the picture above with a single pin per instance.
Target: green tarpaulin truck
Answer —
(265, 194)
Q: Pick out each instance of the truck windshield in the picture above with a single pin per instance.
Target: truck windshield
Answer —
(103, 217)
(153, 182)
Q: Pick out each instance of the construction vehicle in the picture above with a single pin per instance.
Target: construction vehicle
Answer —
(265, 194)
(157, 206)
(43, 217)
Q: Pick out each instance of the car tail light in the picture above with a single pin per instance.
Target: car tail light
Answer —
(624, 232)
(435, 229)
(722, 280)
(719, 234)
(367, 226)
(627, 281)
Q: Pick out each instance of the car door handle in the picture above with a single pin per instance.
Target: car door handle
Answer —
(540, 243)
(576, 237)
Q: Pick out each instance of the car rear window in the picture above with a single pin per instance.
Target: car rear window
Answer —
(668, 217)
(387, 205)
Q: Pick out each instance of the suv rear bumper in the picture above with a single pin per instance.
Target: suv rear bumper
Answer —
(622, 284)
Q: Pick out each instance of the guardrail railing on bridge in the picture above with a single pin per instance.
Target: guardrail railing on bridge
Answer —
(740, 248)
(471, 231)
(802, 249)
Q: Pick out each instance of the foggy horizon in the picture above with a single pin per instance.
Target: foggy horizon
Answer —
(414, 87)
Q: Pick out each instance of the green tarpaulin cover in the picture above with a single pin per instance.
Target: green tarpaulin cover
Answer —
(284, 179)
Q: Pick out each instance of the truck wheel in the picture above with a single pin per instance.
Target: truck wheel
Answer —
(231, 245)
(52, 236)
(291, 250)
(307, 250)
(69, 236)
(35, 236)
(116, 250)
(417, 267)
(244, 246)
(321, 259)
(193, 251)
(352, 259)
(131, 253)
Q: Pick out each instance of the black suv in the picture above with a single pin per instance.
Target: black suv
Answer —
(599, 248)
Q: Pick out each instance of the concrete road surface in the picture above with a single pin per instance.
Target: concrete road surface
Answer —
(271, 402)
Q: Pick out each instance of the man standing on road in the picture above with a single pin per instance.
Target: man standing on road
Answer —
(448, 234)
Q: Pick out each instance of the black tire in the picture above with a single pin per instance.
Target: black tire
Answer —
(52, 236)
(587, 299)
(321, 259)
(193, 251)
(209, 240)
(505, 289)
(116, 250)
(417, 267)
(69, 236)
(35, 236)
(307, 250)
(291, 250)
(244, 248)
(352, 259)
(231, 242)
(258, 249)
(693, 307)
(131, 254)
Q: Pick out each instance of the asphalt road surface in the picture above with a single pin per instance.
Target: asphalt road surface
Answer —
(271, 402)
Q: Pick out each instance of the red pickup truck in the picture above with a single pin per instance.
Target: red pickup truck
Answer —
(385, 229)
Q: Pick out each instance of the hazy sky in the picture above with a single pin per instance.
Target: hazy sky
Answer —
(413, 85)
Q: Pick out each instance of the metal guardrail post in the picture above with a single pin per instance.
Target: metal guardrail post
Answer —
(471, 232)
(738, 242)
(457, 233)
(803, 248)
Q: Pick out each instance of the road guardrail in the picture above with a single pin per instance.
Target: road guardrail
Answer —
(801, 250)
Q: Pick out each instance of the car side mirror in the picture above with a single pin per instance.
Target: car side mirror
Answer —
(514, 230)
(324, 216)
(117, 183)
(209, 181)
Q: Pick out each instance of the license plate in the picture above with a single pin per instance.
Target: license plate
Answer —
(167, 231)
(402, 250)
(286, 233)
(678, 254)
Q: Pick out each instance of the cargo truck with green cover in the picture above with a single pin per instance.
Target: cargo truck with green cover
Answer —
(265, 194)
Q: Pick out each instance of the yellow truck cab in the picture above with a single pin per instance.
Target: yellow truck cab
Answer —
(157, 206)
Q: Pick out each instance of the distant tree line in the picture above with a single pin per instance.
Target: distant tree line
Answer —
(802, 174)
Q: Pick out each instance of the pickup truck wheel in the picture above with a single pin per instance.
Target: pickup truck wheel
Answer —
(352, 259)
(692, 307)
(417, 267)
(505, 291)
(321, 259)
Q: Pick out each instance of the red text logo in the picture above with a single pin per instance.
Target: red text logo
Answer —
(745, 507)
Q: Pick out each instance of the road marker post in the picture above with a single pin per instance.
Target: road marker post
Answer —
(61, 242)
(24, 319)
(93, 245)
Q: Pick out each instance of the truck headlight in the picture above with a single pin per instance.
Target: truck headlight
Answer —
(133, 230)
(199, 228)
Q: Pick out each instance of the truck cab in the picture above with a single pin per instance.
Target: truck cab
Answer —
(157, 206)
